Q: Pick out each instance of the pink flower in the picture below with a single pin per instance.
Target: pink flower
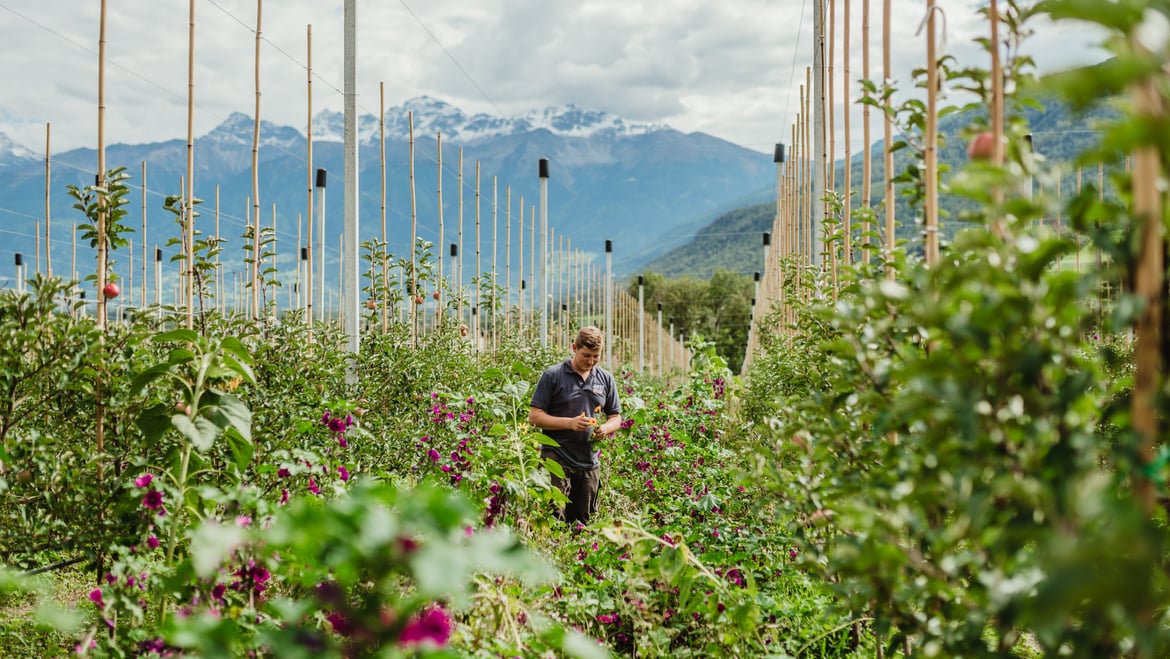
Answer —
(343, 472)
(283, 496)
(95, 596)
(243, 520)
(152, 542)
(143, 480)
(153, 500)
(283, 472)
(313, 487)
(432, 625)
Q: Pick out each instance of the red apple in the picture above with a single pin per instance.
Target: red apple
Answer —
(418, 299)
(435, 295)
(370, 304)
(112, 290)
(462, 329)
(981, 146)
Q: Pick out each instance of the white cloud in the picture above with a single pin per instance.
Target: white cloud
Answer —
(729, 68)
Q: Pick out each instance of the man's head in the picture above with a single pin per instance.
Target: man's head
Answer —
(587, 349)
(589, 337)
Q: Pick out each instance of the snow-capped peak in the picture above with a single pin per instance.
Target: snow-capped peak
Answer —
(10, 150)
(431, 116)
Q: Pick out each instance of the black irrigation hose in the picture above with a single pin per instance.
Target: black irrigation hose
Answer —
(56, 566)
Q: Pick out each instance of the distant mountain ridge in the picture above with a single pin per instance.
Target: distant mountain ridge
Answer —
(611, 179)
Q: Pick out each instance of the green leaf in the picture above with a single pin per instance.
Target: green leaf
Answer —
(554, 467)
(581, 646)
(146, 377)
(544, 440)
(211, 543)
(178, 336)
(154, 422)
(238, 413)
(498, 430)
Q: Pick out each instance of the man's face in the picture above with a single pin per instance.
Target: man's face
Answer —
(584, 358)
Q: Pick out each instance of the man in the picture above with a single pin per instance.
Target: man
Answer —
(564, 406)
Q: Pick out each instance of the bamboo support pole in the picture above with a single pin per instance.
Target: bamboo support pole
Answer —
(847, 173)
(866, 152)
(888, 137)
(309, 181)
(48, 210)
(931, 156)
(256, 284)
(439, 287)
(382, 304)
(413, 288)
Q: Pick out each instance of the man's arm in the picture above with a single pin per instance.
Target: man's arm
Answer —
(611, 425)
(546, 421)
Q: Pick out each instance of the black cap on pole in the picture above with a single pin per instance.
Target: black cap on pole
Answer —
(564, 307)
(19, 259)
(522, 284)
(454, 249)
(82, 294)
(304, 253)
(778, 154)
(157, 254)
(544, 168)
(320, 178)
(756, 276)
(660, 306)
(767, 239)
(641, 280)
(473, 311)
(608, 246)
(753, 301)
(1028, 138)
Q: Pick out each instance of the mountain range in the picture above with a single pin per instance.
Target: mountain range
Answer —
(646, 187)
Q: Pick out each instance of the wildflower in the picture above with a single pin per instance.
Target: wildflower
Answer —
(143, 480)
(343, 472)
(434, 455)
(325, 418)
(337, 425)
(313, 487)
(95, 596)
(432, 625)
(607, 619)
(153, 500)
(283, 472)
(283, 496)
(340, 623)
(341, 441)
(243, 520)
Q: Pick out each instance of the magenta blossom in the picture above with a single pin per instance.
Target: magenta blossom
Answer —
(432, 625)
(343, 472)
(283, 496)
(95, 596)
(313, 487)
(143, 480)
(283, 472)
(152, 542)
(153, 500)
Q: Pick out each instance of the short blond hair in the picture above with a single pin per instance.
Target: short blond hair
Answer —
(589, 337)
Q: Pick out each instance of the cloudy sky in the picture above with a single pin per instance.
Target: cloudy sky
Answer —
(730, 68)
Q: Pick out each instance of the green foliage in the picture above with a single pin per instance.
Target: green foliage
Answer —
(717, 310)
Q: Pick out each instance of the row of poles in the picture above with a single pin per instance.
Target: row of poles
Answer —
(800, 246)
(558, 276)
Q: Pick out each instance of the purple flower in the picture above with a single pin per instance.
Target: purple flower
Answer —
(152, 542)
(337, 425)
(434, 455)
(283, 472)
(432, 625)
(218, 591)
(283, 496)
(607, 619)
(313, 487)
(143, 480)
(243, 520)
(341, 441)
(153, 500)
(95, 596)
(343, 472)
(325, 418)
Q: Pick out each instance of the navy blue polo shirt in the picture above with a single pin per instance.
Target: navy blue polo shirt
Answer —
(562, 392)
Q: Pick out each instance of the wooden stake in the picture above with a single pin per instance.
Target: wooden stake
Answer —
(382, 304)
(888, 137)
(866, 159)
(413, 237)
(48, 211)
(931, 205)
(847, 109)
(309, 177)
(256, 174)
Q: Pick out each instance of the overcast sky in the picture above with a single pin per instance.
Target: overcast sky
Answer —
(730, 68)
